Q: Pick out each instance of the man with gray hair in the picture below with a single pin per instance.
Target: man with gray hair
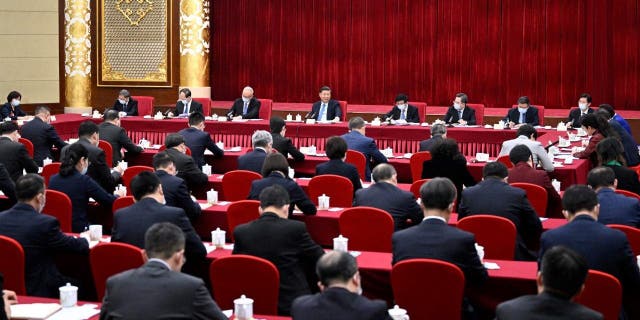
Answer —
(246, 107)
(262, 145)
(438, 132)
(125, 103)
(358, 141)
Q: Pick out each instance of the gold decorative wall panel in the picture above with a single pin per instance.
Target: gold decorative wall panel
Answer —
(77, 53)
(134, 45)
(194, 43)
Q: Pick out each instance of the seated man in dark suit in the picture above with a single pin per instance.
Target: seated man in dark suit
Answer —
(158, 290)
(629, 143)
(326, 109)
(131, 223)
(403, 111)
(560, 279)
(112, 132)
(610, 153)
(125, 103)
(614, 208)
(198, 140)
(286, 243)
(584, 108)
(524, 113)
(40, 237)
(187, 169)
(11, 109)
(336, 149)
(384, 194)
(341, 297)
(495, 197)
(13, 154)
(247, 107)
(459, 112)
(356, 140)
(438, 132)
(42, 135)
(176, 193)
(185, 105)
(282, 144)
(615, 116)
(262, 145)
(89, 134)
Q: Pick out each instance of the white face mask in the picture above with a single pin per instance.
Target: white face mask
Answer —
(122, 101)
(245, 99)
(185, 102)
(15, 102)
(84, 170)
(582, 106)
(522, 110)
(457, 106)
(402, 107)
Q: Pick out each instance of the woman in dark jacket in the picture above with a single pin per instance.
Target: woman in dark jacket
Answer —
(447, 162)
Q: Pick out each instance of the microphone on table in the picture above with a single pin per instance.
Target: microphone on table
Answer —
(310, 115)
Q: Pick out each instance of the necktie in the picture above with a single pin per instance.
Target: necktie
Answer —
(459, 115)
(522, 117)
(403, 115)
(186, 108)
(246, 106)
(323, 109)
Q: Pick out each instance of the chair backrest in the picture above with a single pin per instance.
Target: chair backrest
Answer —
(241, 212)
(633, 236)
(58, 205)
(130, 173)
(505, 160)
(164, 147)
(536, 194)
(540, 112)
(206, 105)
(416, 161)
(108, 152)
(236, 184)
(49, 170)
(343, 107)
(496, 234)
(339, 189)
(479, 108)
(122, 202)
(357, 159)
(440, 283)
(239, 274)
(422, 109)
(416, 185)
(603, 293)
(145, 105)
(28, 145)
(265, 109)
(367, 228)
(628, 193)
(112, 258)
(12, 265)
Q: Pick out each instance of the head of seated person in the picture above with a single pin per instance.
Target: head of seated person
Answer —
(275, 162)
(336, 148)
(384, 172)
(610, 150)
(437, 197)
(495, 170)
(357, 124)
(175, 141)
(562, 273)
(30, 190)
(580, 200)
(439, 129)
(162, 161)
(76, 159)
(113, 117)
(277, 125)
(147, 185)
(9, 129)
(275, 199)
(521, 154)
(446, 149)
(602, 177)
(262, 139)
(338, 269)
(165, 241)
(528, 131)
(196, 120)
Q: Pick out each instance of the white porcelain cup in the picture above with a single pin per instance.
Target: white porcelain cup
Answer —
(292, 173)
(556, 184)
(243, 308)
(398, 313)
(212, 196)
(122, 114)
(323, 202)
(341, 243)
(568, 160)
(68, 296)
(218, 237)
(95, 232)
(46, 161)
(124, 165)
(206, 169)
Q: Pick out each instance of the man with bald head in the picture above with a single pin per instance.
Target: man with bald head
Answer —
(247, 107)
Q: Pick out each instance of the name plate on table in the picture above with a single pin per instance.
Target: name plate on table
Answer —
(310, 121)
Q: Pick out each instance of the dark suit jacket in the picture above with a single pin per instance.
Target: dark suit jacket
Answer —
(456, 170)
(80, 188)
(286, 147)
(15, 158)
(338, 304)
(589, 151)
(544, 306)
(434, 239)
(288, 245)
(118, 139)
(176, 194)
(522, 172)
(195, 106)
(188, 170)
(618, 209)
(198, 141)
(356, 141)
(333, 110)
(40, 236)
(98, 169)
(411, 116)
(253, 109)
(428, 144)
(9, 111)
(605, 249)
(495, 197)
(43, 136)
(341, 168)
(131, 108)
(155, 292)
(468, 115)
(531, 117)
(400, 204)
(296, 195)
(627, 178)
(629, 144)
(252, 161)
(7, 186)
(575, 116)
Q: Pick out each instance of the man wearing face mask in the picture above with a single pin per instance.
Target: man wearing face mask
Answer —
(459, 112)
(13, 154)
(125, 103)
(175, 190)
(525, 113)
(403, 111)
(584, 104)
(185, 105)
(11, 109)
(246, 107)
(40, 236)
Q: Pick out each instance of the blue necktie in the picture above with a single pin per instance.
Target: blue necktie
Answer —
(323, 109)
(244, 109)
(403, 114)
(522, 117)
(459, 115)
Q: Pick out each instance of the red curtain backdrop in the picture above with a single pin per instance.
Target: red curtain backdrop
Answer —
(370, 50)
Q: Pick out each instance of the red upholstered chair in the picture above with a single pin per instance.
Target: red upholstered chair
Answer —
(416, 161)
(416, 185)
(505, 159)
(50, 170)
(265, 109)
(496, 234)
(479, 108)
(122, 202)
(108, 152)
(343, 107)
(440, 283)
(12, 265)
(633, 235)
(112, 258)
(236, 184)
(145, 105)
(58, 205)
(602, 293)
(628, 193)
(540, 112)
(368, 229)
(206, 105)
(422, 109)
(536, 194)
(241, 212)
(239, 274)
(164, 147)
(131, 172)
(357, 159)
(636, 169)
(28, 145)
(338, 188)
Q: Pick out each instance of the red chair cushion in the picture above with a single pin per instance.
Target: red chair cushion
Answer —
(145, 105)
(603, 293)
(536, 194)
(265, 109)
(368, 229)
(108, 259)
(12, 265)
(633, 236)
(49, 170)
(479, 108)
(415, 163)
(58, 205)
(236, 184)
(496, 234)
(28, 145)
(122, 202)
(130, 173)
(108, 152)
(357, 159)
(241, 212)
(338, 188)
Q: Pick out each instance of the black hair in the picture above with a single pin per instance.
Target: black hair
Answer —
(598, 122)
(336, 267)
(356, 123)
(29, 186)
(87, 128)
(383, 171)
(161, 160)
(610, 149)
(162, 240)
(144, 183)
(609, 108)
(527, 130)
(8, 127)
(111, 115)
(187, 92)
(13, 95)
(73, 154)
(324, 88)
(463, 97)
(275, 162)
(523, 100)
(520, 153)
(196, 118)
(275, 195)
(445, 149)
(438, 193)
(563, 271)
(495, 169)
(276, 124)
(402, 97)
(173, 140)
(579, 197)
(336, 147)
(587, 96)
(601, 177)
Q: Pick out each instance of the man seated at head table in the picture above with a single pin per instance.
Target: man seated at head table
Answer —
(42, 134)
(176, 192)
(358, 141)
(614, 207)
(336, 149)
(262, 142)
(560, 280)
(403, 111)
(575, 115)
(176, 149)
(280, 142)
(341, 293)
(112, 132)
(158, 290)
(528, 136)
(125, 103)
(185, 105)
(524, 113)
(245, 107)
(438, 132)
(198, 140)
(326, 109)
(459, 112)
